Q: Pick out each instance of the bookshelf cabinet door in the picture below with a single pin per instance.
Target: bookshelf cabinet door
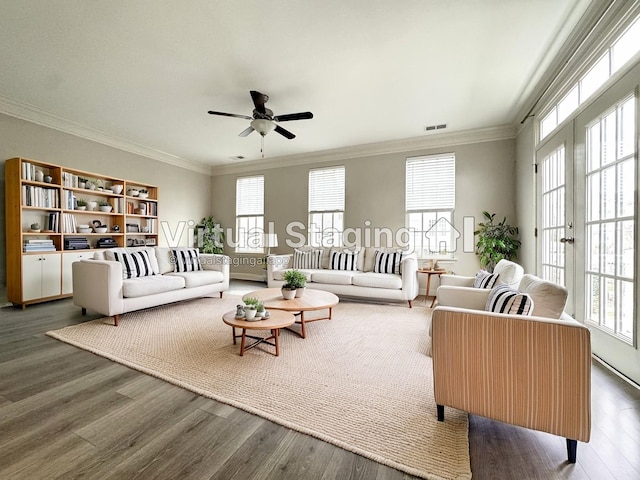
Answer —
(40, 276)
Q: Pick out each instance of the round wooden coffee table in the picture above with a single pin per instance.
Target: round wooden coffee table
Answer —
(311, 300)
(276, 321)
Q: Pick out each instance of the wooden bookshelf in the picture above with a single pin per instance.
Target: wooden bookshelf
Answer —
(39, 262)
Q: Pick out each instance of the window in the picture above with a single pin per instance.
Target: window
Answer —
(326, 206)
(620, 52)
(249, 214)
(429, 204)
(610, 221)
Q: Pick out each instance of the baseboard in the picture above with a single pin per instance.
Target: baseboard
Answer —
(615, 372)
(248, 276)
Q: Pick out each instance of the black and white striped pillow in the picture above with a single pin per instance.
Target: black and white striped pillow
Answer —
(504, 299)
(343, 261)
(186, 260)
(388, 262)
(485, 279)
(134, 264)
(309, 259)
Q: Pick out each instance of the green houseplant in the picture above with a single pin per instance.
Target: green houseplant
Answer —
(212, 236)
(295, 280)
(495, 241)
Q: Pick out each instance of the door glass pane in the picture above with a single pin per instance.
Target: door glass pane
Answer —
(610, 220)
(553, 216)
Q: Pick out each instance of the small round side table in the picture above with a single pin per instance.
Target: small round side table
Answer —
(429, 273)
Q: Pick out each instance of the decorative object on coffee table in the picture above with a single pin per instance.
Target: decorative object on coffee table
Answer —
(314, 300)
(294, 280)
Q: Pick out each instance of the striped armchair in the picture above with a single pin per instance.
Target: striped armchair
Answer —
(534, 372)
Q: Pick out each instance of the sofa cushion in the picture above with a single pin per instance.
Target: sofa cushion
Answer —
(370, 256)
(485, 279)
(510, 272)
(164, 259)
(197, 279)
(344, 261)
(332, 277)
(504, 299)
(140, 287)
(549, 298)
(353, 250)
(378, 280)
(307, 259)
(186, 260)
(388, 262)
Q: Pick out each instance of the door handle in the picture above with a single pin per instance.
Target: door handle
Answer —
(567, 240)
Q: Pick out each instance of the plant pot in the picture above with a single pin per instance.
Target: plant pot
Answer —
(288, 294)
(82, 184)
(143, 195)
(92, 205)
(300, 291)
(250, 314)
(82, 207)
(105, 208)
(117, 189)
(132, 192)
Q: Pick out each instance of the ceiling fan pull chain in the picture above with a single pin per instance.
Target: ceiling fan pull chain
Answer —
(262, 145)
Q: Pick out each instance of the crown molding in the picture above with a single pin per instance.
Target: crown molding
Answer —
(449, 139)
(30, 113)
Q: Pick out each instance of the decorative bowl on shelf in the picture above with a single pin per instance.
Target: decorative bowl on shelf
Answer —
(143, 195)
(105, 208)
(117, 189)
(132, 192)
(84, 230)
(101, 229)
(34, 230)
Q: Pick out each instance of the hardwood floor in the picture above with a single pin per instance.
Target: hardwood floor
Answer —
(66, 413)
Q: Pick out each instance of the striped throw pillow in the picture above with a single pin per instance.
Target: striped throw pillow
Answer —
(485, 279)
(186, 260)
(504, 299)
(388, 262)
(134, 264)
(343, 261)
(306, 259)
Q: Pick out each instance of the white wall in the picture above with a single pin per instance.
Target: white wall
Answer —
(375, 193)
(184, 195)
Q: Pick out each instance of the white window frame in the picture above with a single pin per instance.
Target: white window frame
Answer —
(250, 214)
(430, 204)
(326, 206)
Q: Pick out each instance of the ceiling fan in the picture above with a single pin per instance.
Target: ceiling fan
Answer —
(263, 120)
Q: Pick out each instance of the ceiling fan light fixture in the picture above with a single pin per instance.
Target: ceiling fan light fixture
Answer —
(262, 126)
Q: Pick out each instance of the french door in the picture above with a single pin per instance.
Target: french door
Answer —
(587, 217)
(556, 237)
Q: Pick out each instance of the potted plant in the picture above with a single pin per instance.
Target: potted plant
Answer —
(144, 193)
(251, 308)
(212, 236)
(296, 280)
(495, 241)
(104, 206)
(81, 204)
(82, 182)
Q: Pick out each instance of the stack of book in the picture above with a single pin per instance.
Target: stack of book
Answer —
(76, 243)
(37, 245)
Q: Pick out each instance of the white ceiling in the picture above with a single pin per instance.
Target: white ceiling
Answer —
(143, 74)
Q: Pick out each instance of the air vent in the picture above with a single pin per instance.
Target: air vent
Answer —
(237, 157)
(435, 127)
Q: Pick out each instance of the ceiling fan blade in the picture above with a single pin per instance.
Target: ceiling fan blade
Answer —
(293, 116)
(284, 133)
(211, 112)
(246, 131)
(259, 99)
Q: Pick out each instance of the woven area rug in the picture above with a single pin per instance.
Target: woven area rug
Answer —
(361, 381)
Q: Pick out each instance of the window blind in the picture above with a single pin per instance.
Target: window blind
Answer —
(326, 189)
(430, 182)
(250, 196)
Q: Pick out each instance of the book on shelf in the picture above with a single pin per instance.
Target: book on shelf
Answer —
(38, 245)
(69, 223)
(33, 196)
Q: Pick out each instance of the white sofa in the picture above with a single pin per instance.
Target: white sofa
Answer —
(361, 283)
(99, 284)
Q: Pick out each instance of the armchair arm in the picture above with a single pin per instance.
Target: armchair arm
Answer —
(463, 297)
(97, 285)
(529, 371)
(456, 280)
(220, 263)
(276, 263)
